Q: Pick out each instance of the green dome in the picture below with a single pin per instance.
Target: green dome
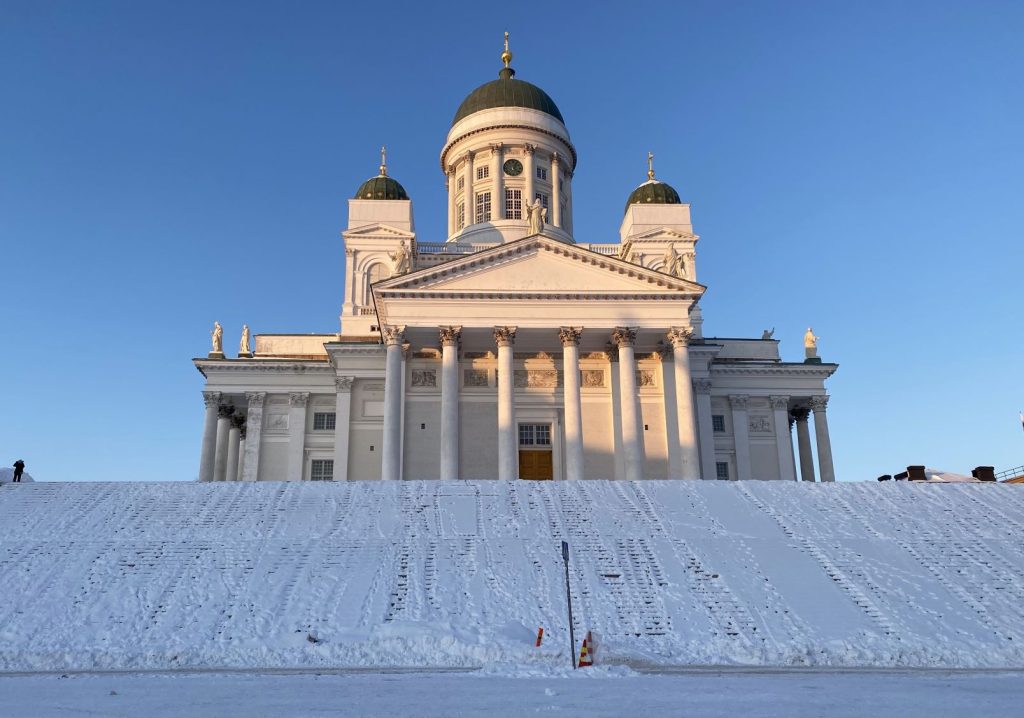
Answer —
(653, 192)
(507, 91)
(381, 187)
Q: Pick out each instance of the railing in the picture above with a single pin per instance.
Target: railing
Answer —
(606, 249)
(1010, 473)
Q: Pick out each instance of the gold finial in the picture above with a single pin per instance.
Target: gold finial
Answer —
(650, 165)
(383, 161)
(506, 56)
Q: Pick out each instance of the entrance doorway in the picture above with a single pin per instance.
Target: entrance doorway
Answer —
(535, 460)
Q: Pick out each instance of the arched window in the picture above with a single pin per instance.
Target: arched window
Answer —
(375, 273)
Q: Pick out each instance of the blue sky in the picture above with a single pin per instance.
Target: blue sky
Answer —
(856, 167)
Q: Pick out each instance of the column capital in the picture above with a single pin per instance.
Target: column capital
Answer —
(255, 399)
(555, 159)
(470, 154)
(225, 411)
(498, 146)
(298, 398)
(680, 336)
(779, 402)
(799, 413)
(818, 403)
(392, 334)
(505, 336)
(529, 149)
(238, 421)
(624, 337)
(344, 383)
(450, 170)
(738, 401)
(570, 336)
(450, 336)
(702, 386)
(211, 399)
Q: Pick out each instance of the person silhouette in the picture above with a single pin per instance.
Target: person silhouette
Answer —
(19, 469)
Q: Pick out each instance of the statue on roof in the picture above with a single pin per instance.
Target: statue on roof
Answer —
(768, 334)
(673, 263)
(243, 345)
(536, 215)
(401, 260)
(217, 336)
(810, 344)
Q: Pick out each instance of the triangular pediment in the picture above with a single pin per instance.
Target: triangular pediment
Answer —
(377, 230)
(537, 266)
(662, 233)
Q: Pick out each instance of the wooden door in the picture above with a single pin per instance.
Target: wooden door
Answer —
(535, 465)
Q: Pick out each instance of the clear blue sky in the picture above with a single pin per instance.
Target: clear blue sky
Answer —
(857, 167)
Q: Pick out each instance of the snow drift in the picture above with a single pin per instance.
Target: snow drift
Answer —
(278, 575)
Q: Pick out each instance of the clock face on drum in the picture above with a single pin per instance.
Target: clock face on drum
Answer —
(513, 168)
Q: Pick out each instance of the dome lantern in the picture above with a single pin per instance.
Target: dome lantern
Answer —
(381, 186)
(653, 191)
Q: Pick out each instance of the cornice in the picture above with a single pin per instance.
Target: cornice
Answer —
(265, 365)
(817, 370)
(488, 128)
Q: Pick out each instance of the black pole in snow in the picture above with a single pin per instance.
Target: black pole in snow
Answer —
(568, 600)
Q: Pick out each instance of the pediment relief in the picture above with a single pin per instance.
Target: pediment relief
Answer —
(537, 265)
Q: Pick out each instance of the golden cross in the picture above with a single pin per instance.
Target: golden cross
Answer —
(650, 165)
(383, 160)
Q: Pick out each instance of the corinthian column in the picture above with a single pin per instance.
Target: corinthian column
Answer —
(449, 183)
(450, 402)
(469, 197)
(825, 468)
(556, 194)
(570, 337)
(803, 443)
(702, 387)
(689, 457)
(209, 447)
(297, 402)
(253, 435)
(529, 172)
(391, 458)
(342, 416)
(498, 154)
(508, 443)
(783, 439)
(741, 434)
(220, 462)
(234, 439)
(632, 439)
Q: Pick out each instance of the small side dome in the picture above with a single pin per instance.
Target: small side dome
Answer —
(381, 186)
(653, 191)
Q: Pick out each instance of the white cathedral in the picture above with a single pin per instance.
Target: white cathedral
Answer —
(511, 350)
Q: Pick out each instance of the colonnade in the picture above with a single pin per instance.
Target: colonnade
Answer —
(799, 416)
(224, 440)
(631, 424)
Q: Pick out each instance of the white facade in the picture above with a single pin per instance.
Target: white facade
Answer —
(503, 351)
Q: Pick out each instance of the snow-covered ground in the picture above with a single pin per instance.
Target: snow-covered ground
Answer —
(277, 575)
(791, 694)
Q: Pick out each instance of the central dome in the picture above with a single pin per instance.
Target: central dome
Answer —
(507, 91)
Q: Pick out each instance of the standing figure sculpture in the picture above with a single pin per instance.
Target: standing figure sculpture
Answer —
(672, 263)
(536, 215)
(401, 260)
(811, 344)
(243, 345)
(217, 335)
(768, 334)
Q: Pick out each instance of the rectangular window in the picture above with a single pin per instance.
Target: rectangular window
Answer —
(535, 434)
(722, 470)
(542, 173)
(483, 172)
(543, 199)
(322, 469)
(460, 184)
(483, 207)
(718, 423)
(513, 204)
(461, 216)
(323, 421)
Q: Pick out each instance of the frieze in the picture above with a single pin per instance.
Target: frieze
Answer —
(424, 378)
(592, 378)
(536, 378)
(760, 424)
(645, 377)
(474, 377)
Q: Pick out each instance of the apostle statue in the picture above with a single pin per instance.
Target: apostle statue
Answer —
(768, 334)
(217, 335)
(401, 260)
(811, 344)
(243, 345)
(672, 263)
(536, 215)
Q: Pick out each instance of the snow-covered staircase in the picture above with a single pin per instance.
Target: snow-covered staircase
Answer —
(463, 573)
